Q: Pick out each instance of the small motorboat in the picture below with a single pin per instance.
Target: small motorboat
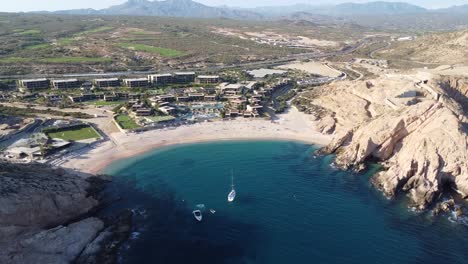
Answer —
(198, 215)
(212, 211)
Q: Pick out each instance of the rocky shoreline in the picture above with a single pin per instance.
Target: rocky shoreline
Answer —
(415, 128)
(48, 215)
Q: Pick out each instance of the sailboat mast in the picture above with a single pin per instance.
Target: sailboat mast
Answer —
(232, 179)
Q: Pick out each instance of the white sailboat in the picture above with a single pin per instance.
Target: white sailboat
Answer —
(232, 193)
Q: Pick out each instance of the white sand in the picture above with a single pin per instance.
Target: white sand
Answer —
(312, 67)
(290, 126)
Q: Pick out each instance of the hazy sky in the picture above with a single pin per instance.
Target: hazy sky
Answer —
(50, 5)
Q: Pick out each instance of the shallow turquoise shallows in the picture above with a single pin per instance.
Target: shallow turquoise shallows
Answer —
(291, 207)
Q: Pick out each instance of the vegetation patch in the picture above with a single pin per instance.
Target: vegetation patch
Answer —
(75, 133)
(30, 32)
(28, 112)
(95, 30)
(105, 103)
(76, 60)
(66, 41)
(58, 60)
(151, 49)
(38, 46)
(126, 122)
(12, 60)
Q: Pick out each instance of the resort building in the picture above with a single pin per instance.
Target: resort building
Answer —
(137, 106)
(210, 98)
(237, 102)
(254, 108)
(107, 83)
(53, 97)
(251, 86)
(232, 113)
(182, 99)
(160, 79)
(66, 84)
(121, 95)
(136, 83)
(166, 98)
(208, 79)
(232, 89)
(209, 90)
(134, 96)
(196, 96)
(167, 110)
(144, 111)
(110, 98)
(33, 84)
(184, 77)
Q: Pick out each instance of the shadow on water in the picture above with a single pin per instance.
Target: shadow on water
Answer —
(170, 234)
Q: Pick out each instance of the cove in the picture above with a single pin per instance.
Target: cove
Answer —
(291, 207)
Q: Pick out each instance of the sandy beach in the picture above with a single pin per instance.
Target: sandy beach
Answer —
(292, 125)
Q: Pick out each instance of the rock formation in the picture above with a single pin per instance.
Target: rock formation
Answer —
(44, 215)
(415, 129)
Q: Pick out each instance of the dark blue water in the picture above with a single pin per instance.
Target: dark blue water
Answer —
(290, 208)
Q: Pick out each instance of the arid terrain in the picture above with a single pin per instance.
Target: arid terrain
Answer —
(429, 50)
(415, 123)
(387, 96)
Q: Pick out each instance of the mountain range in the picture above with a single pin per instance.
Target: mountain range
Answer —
(381, 15)
(189, 8)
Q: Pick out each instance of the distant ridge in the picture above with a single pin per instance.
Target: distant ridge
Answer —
(389, 8)
(379, 14)
(167, 8)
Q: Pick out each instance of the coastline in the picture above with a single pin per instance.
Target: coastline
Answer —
(292, 125)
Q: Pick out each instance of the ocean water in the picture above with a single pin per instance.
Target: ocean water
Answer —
(291, 207)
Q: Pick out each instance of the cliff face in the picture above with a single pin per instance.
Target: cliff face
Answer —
(418, 134)
(37, 206)
(456, 88)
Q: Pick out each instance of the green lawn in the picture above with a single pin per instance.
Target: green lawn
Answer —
(12, 60)
(66, 41)
(38, 46)
(126, 122)
(75, 134)
(30, 32)
(146, 48)
(95, 30)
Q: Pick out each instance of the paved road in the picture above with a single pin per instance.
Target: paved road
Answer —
(268, 63)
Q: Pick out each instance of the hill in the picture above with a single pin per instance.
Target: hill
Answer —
(167, 8)
(441, 48)
(375, 8)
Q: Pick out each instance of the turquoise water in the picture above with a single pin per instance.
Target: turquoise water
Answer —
(291, 207)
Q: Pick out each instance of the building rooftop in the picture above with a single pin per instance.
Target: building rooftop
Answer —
(136, 80)
(107, 80)
(233, 86)
(161, 75)
(65, 80)
(207, 76)
(184, 73)
(35, 80)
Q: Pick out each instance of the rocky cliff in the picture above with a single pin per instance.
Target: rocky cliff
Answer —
(45, 214)
(415, 129)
